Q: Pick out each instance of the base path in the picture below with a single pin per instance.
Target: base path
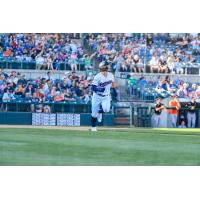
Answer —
(75, 128)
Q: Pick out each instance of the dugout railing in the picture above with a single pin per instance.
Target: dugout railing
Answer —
(61, 107)
(145, 116)
(142, 116)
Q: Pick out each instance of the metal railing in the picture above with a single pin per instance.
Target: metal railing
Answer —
(142, 116)
(55, 107)
(14, 64)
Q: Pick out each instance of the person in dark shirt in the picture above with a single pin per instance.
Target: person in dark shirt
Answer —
(191, 115)
(157, 113)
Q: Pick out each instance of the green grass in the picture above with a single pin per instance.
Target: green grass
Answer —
(106, 147)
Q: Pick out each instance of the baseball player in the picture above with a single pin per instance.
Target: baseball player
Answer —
(191, 115)
(157, 113)
(101, 87)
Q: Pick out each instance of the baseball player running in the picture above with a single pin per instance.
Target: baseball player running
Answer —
(101, 87)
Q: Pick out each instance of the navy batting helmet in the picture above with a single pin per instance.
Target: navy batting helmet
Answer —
(103, 66)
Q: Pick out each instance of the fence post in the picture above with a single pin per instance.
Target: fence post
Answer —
(198, 122)
(131, 116)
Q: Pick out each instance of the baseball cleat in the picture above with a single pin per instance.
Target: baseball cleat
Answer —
(93, 129)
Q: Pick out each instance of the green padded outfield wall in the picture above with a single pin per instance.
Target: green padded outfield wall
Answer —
(68, 119)
(16, 118)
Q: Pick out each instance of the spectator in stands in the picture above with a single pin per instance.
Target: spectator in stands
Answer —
(178, 66)
(20, 91)
(68, 96)
(88, 60)
(171, 87)
(182, 125)
(32, 108)
(7, 97)
(171, 63)
(154, 63)
(7, 52)
(40, 62)
(58, 97)
(181, 92)
(73, 61)
(3, 87)
(35, 98)
(46, 109)
(49, 62)
(39, 108)
(88, 97)
(163, 63)
(140, 66)
(29, 91)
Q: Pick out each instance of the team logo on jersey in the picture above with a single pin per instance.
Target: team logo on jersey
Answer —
(105, 83)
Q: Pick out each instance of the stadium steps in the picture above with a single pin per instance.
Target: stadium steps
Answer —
(121, 120)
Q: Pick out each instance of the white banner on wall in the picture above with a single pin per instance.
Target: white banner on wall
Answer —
(60, 119)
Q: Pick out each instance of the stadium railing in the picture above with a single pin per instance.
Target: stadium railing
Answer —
(61, 107)
(14, 64)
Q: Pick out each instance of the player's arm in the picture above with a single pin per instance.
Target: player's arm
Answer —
(113, 84)
(178, 104)
(161, 108)
(114, 89)
(96, 88)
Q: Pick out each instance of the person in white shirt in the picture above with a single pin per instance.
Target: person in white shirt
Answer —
(39, 61)
(6, 96)
(171, 63)
(154, 63)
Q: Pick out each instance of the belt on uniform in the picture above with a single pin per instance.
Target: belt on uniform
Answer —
(101, 95)
(191, 112)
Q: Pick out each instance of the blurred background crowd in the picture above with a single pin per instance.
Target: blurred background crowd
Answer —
(47, 50)
(134, 53)
(73, 88)
(147, 89)
(168, 53)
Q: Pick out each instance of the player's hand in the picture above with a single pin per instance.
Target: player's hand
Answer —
(101, 89)
(163, 107)
(115, 93)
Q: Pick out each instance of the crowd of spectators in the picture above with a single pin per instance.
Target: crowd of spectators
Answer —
(47, 50)
(164, 53)
(165, 87)
(73, 88)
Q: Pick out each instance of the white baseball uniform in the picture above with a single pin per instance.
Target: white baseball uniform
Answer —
(102, 98)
